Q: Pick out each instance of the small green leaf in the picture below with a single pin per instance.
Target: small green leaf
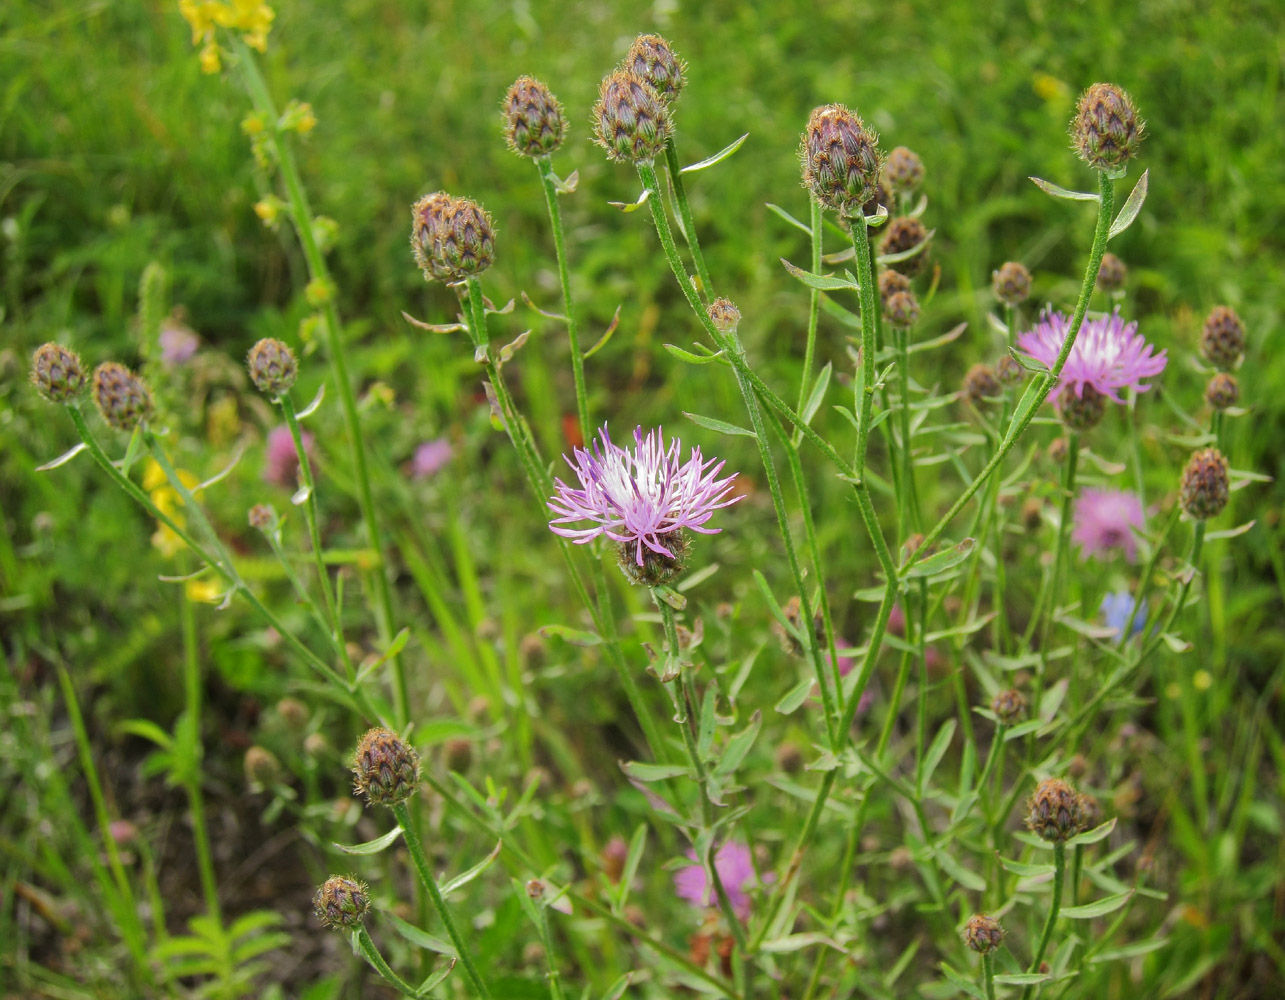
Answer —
(942, 561)
(1094, 835)
(822, 282)
(64, 458)
(690, 358)
(1130, 950)
(1031, 398)
(1102, 907)
(705, 737)
(1048, 187)
(575, 636)
(818, 393)
(653, 772)
(1132, 206)
(1026, 871)
(940, 744)
(148, 730)
(394, 647)
(795, 697)
(372, 846)
(637, 843)
(1022, 978)
(721, 426)
(632, 206)
(602, 341)
(782, 213)
(311, 408)
(436, 978)
(465, 878)
(718, 157)
(738, 746)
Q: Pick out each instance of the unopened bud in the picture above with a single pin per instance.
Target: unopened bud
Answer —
(1222, 391)
(535, 889)
(1204, 484)
(261, 767)
(385, 768)
(653, 59)
(1057, 450)
(1008, 706)
(1011, 283)
(1009, 371)
(902, 310)
(534, 125)
(457, 754)
(983, 934)
(840, 159)
(1054, 811)
(789, 758)
(980, 384)
(1106, 131)
(121, 396)
(1222, 341)
(904, 169)
(341, 902)
(272, 367)
(1112, 274)
(1032, 514)
(630, 120)
(293, 713)
(1082, 412)
(465, 243)
(903, 234)
(724, 315)
(428, 217)
(890, 283)
(262, 517)
(1090, 813)
(57, 373)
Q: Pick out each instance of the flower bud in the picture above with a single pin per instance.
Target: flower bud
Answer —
(457, 754)
(1112, 274)
(724, 315)
(428, 216)
(982, 933)
(273, 367)
(1222, 391)
(293, 713)
(614, 855)
(890, 283)
(980, 384)
(1082, 412)
(465, 243)
(1090, 813)
(657, 569)
(905, 233)
(534, 125)
(630, 120)
(904, 170)
(840, 159)
(1204, 484)
(262, 517)
(902, 310)
(1009, 371)
(652, 59)
(789, 758)
(1222, 341)
(535, 889)
(1008, 706)
(385, 768)
(121, 396)
(1032, 514)
(1057, 450)
(261, 767)
(1106, 131)
(1054, 811)
(1011, 283)
(341, 902)
(57, 373)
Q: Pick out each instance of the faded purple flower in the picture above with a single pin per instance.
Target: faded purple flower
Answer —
(735, 867)
(430, 457)
(280, 462)
(1108, 354)
(637, 496)
(178, 344)
(1106, 520)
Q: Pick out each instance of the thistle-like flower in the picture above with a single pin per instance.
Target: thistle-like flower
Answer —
(534, 125)
(1055, 811)
(341, 902)
(385, 768)
(982, 933)
(121, 396)
(1108, 355)
(57, 373)
(735, 867)
(272, 366)
(630, 120)
(1205, 486)
(1106, 130)
(652, 58)
(1105, 520)
(644, 498)
(840, 159)
(904, 169)
(1011, 283)
(1222, 339)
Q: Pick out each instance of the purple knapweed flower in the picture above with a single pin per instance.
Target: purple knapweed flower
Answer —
(1106, 520)
(1108, 354)
(1116, 609)
(735, 867)
(642, 497)
(430, 457)
(280, 462)
(178, 343)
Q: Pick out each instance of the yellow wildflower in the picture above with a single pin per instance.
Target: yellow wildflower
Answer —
(204, 590)
(250, 17)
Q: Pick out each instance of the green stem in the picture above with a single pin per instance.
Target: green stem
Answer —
(546, 939)
(377, 962)
(1059, 557)
(420, 861)
(301, 213)
(1055, 905)
(191, 755)
(814, 302)
(314, 534)
(545, 168)
(689, 223)
(988, 975)
(1106, 207)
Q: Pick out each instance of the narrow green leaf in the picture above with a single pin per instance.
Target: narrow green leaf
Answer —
(148, 730)
(718, 157)
(632, 206)
(394, 647)
(818, 393)
(782, 213)
(795, 697)
(959, 982)
(653, 772)
(1094, 835)
(705, 733)
(1022, 978)
(1026, 871)
(1130, 950)
(437, 977)
(936, 751)
(637, 843)
(1132, 206)
(738, 746)
(1048, 187)
(575, 636)
(690, 358)
(465, 878)
(822, 282)
(372, 846)
(962, 876)
(942, 561)
(311, 408)
(1102, 907)
(64, 458)
(1030, 399)
(602, 341)
(721, 426)
(617, 989)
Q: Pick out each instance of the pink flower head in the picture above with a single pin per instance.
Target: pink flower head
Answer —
(430, 457)
(735, 869)
(637, 496)
(280, 461)
(1105, 520)
(1108, 354)
(178, 344)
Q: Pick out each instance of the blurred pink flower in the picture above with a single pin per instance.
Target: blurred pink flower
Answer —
(178, 344)
(430, 457)
(735, 867)
(280, 462)
(1105, 520)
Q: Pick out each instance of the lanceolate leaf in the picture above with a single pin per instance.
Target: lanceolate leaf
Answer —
(372, 846)
(1132, 206)
(1048, 187)
(718, 157)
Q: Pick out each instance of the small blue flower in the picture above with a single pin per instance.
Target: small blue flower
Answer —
(1116, 609)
